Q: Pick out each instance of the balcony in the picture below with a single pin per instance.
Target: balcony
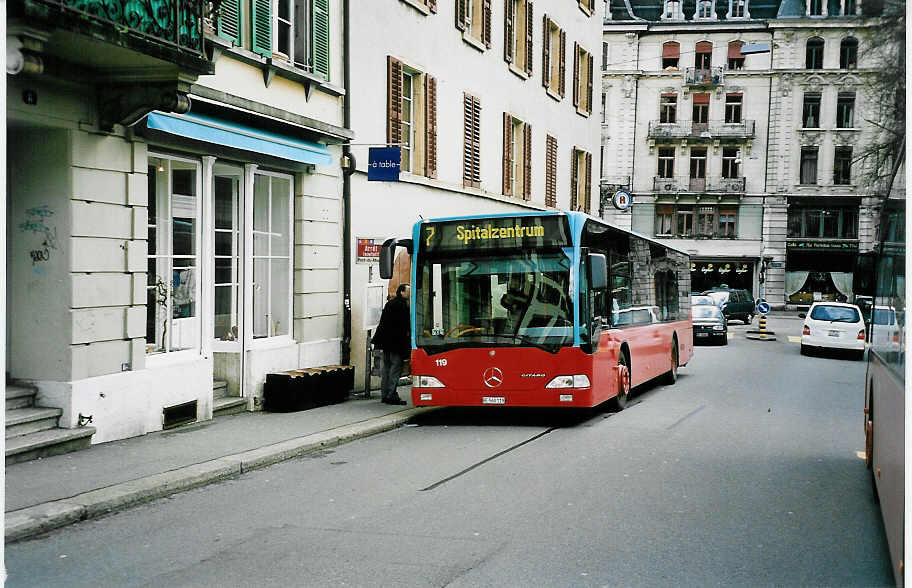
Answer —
(141, 55)
(686, 129)
(671, 185)
(727, 185)
(706, 78)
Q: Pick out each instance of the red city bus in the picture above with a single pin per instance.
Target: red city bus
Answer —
(542, 309)
(885, 390)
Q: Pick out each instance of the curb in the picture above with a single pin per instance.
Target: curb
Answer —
(41, 518)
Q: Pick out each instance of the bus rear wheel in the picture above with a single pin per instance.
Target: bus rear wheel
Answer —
(671, 376)
(623, 382)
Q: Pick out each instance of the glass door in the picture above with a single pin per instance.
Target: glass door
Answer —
(227, 239)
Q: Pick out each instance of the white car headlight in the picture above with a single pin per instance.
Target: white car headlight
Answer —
(718, 328)
(427, 382)
(574, 381)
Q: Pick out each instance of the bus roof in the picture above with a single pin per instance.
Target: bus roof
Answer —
(576, 223)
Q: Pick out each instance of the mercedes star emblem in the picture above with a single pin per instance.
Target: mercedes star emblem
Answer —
(493, 377)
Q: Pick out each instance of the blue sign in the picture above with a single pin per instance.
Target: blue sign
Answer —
(383, 164)
(763, 307)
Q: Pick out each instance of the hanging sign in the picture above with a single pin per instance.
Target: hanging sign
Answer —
(383, 164)
(622, 200)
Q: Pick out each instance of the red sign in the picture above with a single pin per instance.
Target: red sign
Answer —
(369, 250)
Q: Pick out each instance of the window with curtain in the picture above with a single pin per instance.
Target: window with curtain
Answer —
(666, 162)
(808, 173)
(810, 114)
(845, 110)
(842, 164)
(703, 55)
(733, 104)
(730, 163)
(671, 53)
(735, 58)
(668, 108)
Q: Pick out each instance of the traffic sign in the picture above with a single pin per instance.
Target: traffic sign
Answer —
(763, 307)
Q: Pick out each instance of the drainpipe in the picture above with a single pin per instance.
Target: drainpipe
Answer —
(348, 167)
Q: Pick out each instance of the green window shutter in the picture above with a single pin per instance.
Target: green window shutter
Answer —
(262, 27)
(229, 22)
(320, 38)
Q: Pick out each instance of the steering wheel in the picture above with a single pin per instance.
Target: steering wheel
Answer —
(461, 330)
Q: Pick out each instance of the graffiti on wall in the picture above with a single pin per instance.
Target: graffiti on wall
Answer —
(37, 222)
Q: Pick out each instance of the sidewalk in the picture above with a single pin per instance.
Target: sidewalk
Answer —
(52, 492)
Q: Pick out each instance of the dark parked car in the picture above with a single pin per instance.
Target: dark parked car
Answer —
(709, 324)
(735, 304)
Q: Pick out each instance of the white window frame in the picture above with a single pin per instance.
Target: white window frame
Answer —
(165, 356)
(408, 126)
(743, 4)
(701, 5)
(276, 21)
(672, 10)
(284, 338)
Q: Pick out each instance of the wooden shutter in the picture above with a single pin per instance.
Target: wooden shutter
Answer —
(320, 38)
(563, 62)
(527, 161)
(393, 100)
(546, 51)
(590, 74)
(486, 22)
(262, 27)
(507, 154)
(734, 50)
(588, 185)
(471, 154)
(550, 171)
(229, 22)
(529, 38)
(576, 74)
(432, 6)
(574, 179)
(508, 31)
(461, 14)
(671, 50)
(430, 126)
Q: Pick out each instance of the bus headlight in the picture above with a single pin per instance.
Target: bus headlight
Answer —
(428, 382)
(574, 381)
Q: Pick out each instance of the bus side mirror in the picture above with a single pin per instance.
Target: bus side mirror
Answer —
(387, 253)
(598, 271)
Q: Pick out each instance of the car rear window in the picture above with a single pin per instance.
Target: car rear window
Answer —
(701, 300)
(843, 314)
(719, 297)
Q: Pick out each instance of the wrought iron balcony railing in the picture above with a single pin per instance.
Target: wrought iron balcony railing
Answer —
(671, 185)
(685, 129)
(712, 76)
(730, 185)
(174, 23)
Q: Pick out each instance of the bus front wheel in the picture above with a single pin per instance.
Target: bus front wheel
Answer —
(671, 376)
(623, 381)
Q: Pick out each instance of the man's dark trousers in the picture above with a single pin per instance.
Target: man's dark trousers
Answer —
(392, 370)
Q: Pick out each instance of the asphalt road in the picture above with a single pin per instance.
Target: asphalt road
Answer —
(745, 473)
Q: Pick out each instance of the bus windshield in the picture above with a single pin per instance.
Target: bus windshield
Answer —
(515, 299)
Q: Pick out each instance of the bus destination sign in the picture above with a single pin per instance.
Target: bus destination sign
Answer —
(497, 233)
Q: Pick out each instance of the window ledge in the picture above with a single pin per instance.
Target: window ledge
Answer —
(583, 113)
(472, 41)
(272, 67)
(519, 72)
(553, 94)
(272, 342)
(419, 6)
(848, 129)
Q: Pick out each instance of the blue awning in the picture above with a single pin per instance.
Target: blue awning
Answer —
(220, 132)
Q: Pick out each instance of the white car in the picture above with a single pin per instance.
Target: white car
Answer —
(833, 325)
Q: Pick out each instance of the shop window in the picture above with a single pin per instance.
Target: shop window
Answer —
(810, 117)
(813, 57)
(172, 287)
(808, 172)
(666, 162)
(733, 107)
(848, 53)
(668, 108)
(671, 53)
(842, 162)
(272, 248)
(845, 110)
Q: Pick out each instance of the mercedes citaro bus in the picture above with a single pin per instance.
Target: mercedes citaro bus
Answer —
(541, 309)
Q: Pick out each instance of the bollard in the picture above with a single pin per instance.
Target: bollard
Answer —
(761, 333)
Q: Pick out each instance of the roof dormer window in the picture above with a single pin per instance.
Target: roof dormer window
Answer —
(706, 10)
(816, 7)
(672, 10)
(738, 9)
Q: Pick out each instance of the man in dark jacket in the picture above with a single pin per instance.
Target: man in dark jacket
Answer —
(394, 337)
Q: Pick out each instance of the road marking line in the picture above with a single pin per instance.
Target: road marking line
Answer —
(794, 339)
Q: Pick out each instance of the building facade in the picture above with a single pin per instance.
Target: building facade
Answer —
(739, 128)
(175, 218)
(494, 104)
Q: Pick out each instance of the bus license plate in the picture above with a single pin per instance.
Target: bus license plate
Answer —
(493, 400)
